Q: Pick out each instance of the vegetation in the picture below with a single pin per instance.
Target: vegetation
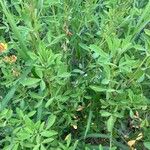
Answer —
(74, 74)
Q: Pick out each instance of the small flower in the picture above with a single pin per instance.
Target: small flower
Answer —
(13, 58)
(6, 59)
(15, 72)
(3, 47)
(10, 59)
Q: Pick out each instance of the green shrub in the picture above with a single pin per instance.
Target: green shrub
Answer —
(75, 74)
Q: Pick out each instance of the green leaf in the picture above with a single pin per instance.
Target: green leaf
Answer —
(51, 121)
(42, 85)
(19, 112)
(40, 111)
(88, 123)
(98, 135)
(147, 32)
(147, 145)
(105, 81)
(40, 102)
(30, 81)
(43, 147)
(57, 39)
(36, 95)
(52, 2)
(49, 102)
(40, 5)
(97, 88)
(78, 71)
(64, 75)
(101, 89)
(84, 46)
(101, 147)
(7, 98)
(75, 145)
(98, 51)
(110, 123)
(36, 147)
(105, 113)
(39, 72)
(29, 123)
(30, 114)
(49, 133)
(49, 140)
(16, 146)
(68, 139)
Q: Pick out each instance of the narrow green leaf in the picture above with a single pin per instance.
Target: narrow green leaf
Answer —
(57, 39)
(147, 32)
(97, 88)
(101, 89)
(98, 51)
(75, 145)
(84, 46)
(42, 85)
(49, 102)
(51, 121)
(43, 147)
(88, 123)
(105, 113)
(36, 147)
(30, 81)
(30, 114)
(68, 139)
(8, 97)
(23, 49)
(49, 133)
(98, 135)
(49, 140)
(110, 123)
(101, 147)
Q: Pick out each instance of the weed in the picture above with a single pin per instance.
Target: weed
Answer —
(74, 74)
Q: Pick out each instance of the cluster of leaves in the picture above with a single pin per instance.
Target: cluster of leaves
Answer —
(81, 77)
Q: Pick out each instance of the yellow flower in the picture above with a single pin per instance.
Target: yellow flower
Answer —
(15, 72)
(3, 47)
(6, 59)
(13, 58)
(10, 59)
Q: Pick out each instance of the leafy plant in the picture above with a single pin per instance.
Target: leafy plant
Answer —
(74, 74)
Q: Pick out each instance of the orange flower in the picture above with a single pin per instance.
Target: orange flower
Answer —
(3, 47)
(13, 58)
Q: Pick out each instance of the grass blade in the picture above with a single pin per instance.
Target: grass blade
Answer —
(143, 21)
(88, 123)
(8, 97)
(23, 49)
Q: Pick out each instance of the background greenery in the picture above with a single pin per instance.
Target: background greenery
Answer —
(82, 76)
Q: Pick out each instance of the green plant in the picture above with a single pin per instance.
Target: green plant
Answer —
(75, 74)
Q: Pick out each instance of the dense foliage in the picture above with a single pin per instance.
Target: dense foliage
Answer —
(74, 74)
